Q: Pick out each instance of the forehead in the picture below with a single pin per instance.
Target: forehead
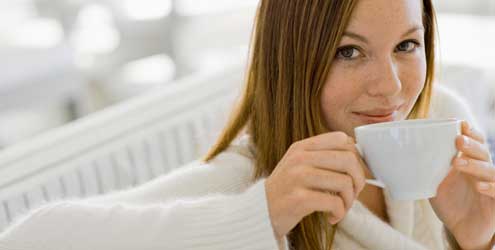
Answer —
(372, 16)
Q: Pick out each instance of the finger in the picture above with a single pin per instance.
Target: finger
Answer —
(324, 180)
(472, 148)
(482, 170)
(326, 141)
(319, 201)
(366, 170)
(340, 161)
(473, 133)
(486, 188)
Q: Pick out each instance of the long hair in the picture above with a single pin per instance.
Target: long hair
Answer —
(292, 48)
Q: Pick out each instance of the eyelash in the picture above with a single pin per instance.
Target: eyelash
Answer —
(414, 42)
(339, 50)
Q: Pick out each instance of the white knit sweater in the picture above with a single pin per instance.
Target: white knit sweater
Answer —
(216, 206)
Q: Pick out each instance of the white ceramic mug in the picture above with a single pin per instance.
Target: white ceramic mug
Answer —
(409, 158)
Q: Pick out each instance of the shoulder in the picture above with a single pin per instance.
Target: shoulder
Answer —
(447, 103)
(236, 159)
(234, 164)
(232, 167)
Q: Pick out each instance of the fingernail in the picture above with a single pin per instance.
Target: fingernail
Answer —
(465, 141)
(483, 186)
(332, 221)
(470, 129)
(461, 162)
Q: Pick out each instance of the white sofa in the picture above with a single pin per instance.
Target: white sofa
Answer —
(119, 147)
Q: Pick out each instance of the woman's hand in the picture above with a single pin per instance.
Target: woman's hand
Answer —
(322, 173)
(465, 200)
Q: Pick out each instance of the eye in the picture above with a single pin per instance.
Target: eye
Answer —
(348, 53)
(407, 46)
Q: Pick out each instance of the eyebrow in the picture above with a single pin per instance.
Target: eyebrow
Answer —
(365, 40)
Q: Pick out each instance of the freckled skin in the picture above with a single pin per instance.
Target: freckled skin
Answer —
(379, 76)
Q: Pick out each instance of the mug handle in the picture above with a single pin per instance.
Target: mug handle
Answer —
(373, 182)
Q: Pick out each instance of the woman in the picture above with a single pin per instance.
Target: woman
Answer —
(318, 69)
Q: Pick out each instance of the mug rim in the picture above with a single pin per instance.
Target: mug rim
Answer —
(414, 123)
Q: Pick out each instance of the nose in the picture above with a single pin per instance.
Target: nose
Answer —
(385, 79)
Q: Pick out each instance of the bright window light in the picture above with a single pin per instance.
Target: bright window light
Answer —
(147, 9)
(37, 33)
(16, 10)
(96, 40)
(198, 7)
(94, 15)
(95, 32)
(473, 46)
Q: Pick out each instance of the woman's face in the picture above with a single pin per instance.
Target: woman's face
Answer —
(380, 67)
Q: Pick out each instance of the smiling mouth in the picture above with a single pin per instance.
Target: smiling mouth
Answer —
(378, 115)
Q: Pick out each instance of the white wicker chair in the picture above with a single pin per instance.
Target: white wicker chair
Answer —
(120, 147)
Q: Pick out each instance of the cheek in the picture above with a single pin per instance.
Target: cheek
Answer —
(331, 106)
(413, 78)
(337, 96)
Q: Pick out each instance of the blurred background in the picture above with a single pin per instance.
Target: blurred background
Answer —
(102, 95)
(64, 59)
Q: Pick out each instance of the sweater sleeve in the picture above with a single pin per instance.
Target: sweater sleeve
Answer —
(213, 222)
(446, 103)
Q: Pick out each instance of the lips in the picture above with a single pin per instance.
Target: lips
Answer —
(380, 112)
(378, 115)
